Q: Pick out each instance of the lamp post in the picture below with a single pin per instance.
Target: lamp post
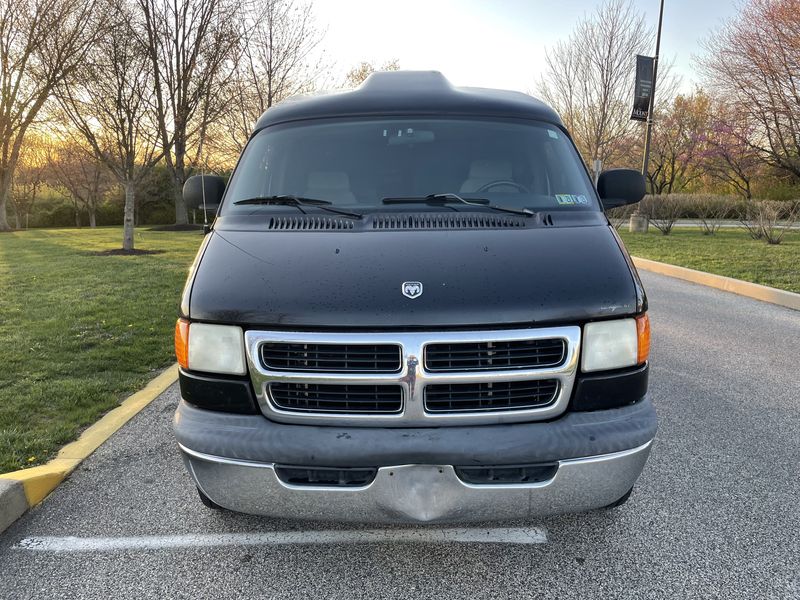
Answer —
(638, 222)
(649, 129)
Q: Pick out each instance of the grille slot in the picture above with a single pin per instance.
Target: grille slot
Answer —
(447, 221)
(506, 474)
(496, 396)
(336, 358)
(309, 223)
(333, 398)
(325, 476)
(495, 356)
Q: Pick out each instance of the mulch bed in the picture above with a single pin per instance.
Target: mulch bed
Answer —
(188, 227)
(121, 252)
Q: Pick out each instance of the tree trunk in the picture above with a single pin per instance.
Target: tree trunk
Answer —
(127, 226)
(18, 218)
(92, 218)
(178, 179)
(77, 218)
(5, 194)
(181, 216)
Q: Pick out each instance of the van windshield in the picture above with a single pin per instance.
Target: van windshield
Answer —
(357, 163)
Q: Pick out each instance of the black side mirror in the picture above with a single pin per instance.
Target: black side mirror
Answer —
(195, 186)
(618, 187)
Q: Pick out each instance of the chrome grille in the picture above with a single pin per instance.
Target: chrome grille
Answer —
(344, 358)
(495, 356)
(350, 399)
(499, 396)
(413, 378)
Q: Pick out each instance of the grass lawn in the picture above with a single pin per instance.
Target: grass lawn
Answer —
(79, 331)
(729, 252)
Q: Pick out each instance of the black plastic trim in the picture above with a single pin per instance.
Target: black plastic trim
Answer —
(325, 476)
(507, 474)
(257, 439)
(610, 390)
(225, 394)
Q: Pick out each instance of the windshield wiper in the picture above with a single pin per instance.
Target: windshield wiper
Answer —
(299, 202)
(450, 198)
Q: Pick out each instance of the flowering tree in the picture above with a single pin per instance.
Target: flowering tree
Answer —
(728, 150)
(678, 142)
(754, 63)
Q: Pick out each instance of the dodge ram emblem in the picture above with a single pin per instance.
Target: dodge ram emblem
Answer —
(412, 289)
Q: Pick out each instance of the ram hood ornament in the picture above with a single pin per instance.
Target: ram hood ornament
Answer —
(412, 289)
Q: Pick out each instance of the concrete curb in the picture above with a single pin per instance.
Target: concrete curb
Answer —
(13, 503)
(727, 284)
(21, 490)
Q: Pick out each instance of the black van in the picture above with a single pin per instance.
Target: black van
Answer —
(411, 307)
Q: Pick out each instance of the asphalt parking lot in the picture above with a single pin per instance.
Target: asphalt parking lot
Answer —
(716, 513)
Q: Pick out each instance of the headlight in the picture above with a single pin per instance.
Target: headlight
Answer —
(615, 344)
(210, 348)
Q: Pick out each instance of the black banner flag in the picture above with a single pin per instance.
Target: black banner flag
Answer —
(644, 87)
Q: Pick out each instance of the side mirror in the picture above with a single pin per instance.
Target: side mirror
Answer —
(618, 187)
(194, 187)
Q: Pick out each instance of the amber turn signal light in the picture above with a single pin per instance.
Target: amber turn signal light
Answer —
(643, 335)
(182, 342)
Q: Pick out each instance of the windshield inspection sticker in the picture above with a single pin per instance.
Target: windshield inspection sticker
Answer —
(552, 133)
(572, 199)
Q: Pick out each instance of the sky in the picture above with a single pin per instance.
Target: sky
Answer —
(494, 43)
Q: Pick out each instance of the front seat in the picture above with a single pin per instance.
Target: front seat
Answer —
(330, 185)
(485, 171)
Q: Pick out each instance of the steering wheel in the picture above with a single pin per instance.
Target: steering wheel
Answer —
(487, 186)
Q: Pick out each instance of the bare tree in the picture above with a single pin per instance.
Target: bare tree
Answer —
(29, 179)
(85, 178)
(361, 71)
(769, 220)
(280, 59)
(589, 78)
(110, 104)
(41, 43)
(711, 210)
(754, 62)
(663, 211)
(190, 44)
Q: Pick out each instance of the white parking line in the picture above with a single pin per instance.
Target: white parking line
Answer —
(508, 535)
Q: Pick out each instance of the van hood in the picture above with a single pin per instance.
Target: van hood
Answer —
(354, 279)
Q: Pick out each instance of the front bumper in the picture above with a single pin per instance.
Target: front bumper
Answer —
(418, 493)
(599, 455)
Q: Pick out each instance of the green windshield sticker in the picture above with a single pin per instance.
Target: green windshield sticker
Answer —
(572, 199)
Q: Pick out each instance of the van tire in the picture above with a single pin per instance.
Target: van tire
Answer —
(621, 501)
(207, 502)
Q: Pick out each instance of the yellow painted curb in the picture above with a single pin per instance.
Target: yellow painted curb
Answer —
(39, 481)
(720, 282)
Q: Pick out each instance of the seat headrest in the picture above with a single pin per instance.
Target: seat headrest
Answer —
(329, 180)
(495, 170)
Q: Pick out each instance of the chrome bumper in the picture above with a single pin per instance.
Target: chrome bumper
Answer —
(417, 493)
